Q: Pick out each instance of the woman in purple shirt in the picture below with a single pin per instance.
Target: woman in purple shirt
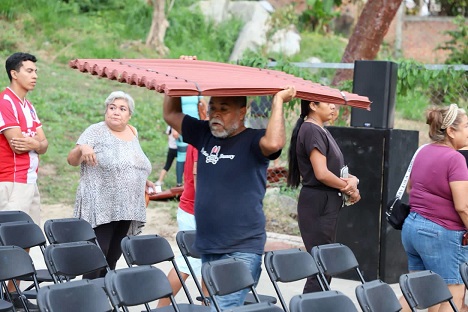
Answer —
(432, 234)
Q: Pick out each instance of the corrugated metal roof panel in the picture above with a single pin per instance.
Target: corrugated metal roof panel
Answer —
(177, 77)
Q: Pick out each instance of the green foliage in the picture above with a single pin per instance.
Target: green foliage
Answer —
(419, 88)
(281, 19)
(86, 6)
(454, 7)
(458, 43)
(9, 9)
(191, 34)
(318, 15)
(328, 48)
(64, 32)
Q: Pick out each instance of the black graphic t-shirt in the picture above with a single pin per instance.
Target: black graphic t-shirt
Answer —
(231, 183)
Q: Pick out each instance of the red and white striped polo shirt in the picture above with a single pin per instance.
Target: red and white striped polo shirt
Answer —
(21, 168)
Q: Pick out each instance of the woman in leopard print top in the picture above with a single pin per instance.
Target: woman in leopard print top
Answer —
(114, 173)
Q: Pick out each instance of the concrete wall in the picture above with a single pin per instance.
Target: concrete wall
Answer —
(421, 36)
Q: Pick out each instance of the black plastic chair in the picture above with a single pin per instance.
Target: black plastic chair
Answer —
(75, 296)
(377, 296)
(16, 263)
(25, 234)
(290, 265)
(137, 286)
(464, 272)
(334, 259)
(323, 301)
(67, 230)
(185, 241)
(74, 259)
(152, 249)
(149, 250)
(423, 289)
(226, 276)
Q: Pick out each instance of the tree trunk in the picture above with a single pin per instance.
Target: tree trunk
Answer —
(158, 28)
(365, 42)
(368, 34)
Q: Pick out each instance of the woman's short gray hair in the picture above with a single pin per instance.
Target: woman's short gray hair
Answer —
(121, 95)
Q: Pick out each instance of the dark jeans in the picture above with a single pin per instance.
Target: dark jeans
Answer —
(109, 236)
(317, 213)
(180, 172)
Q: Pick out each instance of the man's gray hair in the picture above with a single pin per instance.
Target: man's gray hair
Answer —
(121, 95)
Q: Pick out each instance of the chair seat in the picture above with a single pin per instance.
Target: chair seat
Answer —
(257, 307)
(249, 299)
(184, 307)
(5, 306)
(43, 275)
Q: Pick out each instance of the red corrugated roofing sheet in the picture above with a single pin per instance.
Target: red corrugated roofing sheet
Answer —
(177, 77)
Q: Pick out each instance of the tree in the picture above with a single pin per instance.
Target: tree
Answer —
(158, 28)
(367, 37)
(368, 34)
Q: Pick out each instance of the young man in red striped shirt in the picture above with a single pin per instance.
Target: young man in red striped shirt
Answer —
(22, 139)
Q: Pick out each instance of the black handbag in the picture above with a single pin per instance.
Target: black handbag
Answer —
(397, 211)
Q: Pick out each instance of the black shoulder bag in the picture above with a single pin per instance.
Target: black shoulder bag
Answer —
(397, 211)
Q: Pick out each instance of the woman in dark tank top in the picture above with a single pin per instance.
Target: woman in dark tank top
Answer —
(316, 162)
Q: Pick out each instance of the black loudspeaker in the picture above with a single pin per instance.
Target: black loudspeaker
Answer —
(379, 158)
(377, 80)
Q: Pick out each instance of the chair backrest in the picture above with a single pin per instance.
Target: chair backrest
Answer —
(151, 249)
(226, 276)
(377, 296)
(146, 249)
(14, 215)
(289, 265)
(69, 230)
(75, 296)
(24, 234)
(185, 241)
(419, 295)
(75, 258)
(334, 259)
(136, 286)
(15, 263)
(464, 272)
(323, 301)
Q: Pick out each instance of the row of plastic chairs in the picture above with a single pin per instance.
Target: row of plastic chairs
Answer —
(282, 266)
(291, 265)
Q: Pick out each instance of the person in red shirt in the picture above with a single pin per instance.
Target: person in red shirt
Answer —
(22, 139)
(185, 214)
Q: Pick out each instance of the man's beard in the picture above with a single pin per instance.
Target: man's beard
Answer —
(223, 133)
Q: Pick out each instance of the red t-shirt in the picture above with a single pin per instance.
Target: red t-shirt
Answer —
(187, 199)
(21, 168)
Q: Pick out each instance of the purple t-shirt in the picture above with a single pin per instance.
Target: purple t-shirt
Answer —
(434, 168)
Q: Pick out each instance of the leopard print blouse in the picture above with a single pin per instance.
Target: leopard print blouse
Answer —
(113, 190)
